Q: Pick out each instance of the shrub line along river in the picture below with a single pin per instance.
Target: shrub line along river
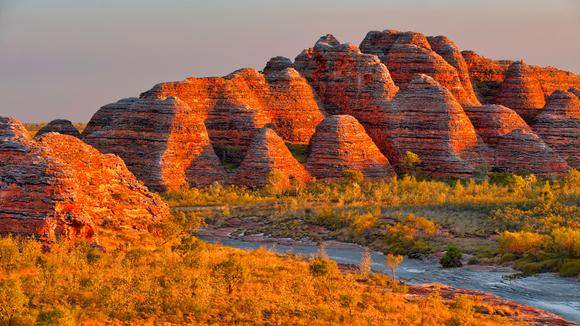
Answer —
(545, 291)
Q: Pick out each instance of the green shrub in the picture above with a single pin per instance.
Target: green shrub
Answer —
(451, 258)
(569, 267)
(320, 267)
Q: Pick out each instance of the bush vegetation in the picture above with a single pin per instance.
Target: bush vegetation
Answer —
(187, 281)
(416, 215)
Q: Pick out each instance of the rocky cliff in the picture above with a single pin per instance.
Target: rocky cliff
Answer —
(269, 162)
(521, 91)
(516, 148)
(339, 146)
(61, 126)
(163, 142)
(348, 81)
(61, 188)
(236, 106)
(409, 53)
(426, 119)
(559, 125)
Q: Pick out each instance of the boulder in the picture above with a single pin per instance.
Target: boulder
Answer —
(559, 125)
(269, 162)
(516, 148)
(521, 91)
(341, 145)
(427, 120)
(61, 126)
(159, 140)
(59, 188)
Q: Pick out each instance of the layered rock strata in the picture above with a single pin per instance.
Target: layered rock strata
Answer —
(409, 53)
(61, 126)
(559, 125)
(521, 91)
(348, 81)
(427, 120)
(163, 142)
(246, 100)
(340, 146)
(516, 148)
(269, 163)
(60, 188)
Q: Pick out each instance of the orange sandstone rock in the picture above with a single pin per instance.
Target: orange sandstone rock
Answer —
(61, 126)
(269, 162)
(348, 81)
(163, 142)
(521, 91)
(516, 148)
(341, 145)
(61, 188)
(281, 96)
(409, 53)
(427, 120)
(559, 125)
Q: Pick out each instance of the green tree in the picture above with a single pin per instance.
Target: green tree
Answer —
(410, 163)
(452, 257)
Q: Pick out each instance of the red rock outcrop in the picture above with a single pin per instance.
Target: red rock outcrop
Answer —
(521, 91)
(61, 126)
(163, 142)
(341, 145)
(559, 125)
(348, 81)
(246, 100)
(269, 162)
(516, 148)
(488, 74)
(427, 120)
(447, 49)
(409, 53)
(61, 188)
(575, 91)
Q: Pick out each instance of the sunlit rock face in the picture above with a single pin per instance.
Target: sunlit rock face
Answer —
(269, 162)
(559, 125)
(61, 126)
(163, 142)
(61, 188)
(521, 91)
(516, 148)
(409, 53)
(340, 146)
(488, 75)
(426, 119)
(348, 81)
(235, 107)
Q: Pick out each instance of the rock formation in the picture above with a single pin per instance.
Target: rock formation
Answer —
(488, 74)
(348, 81)
(427, 120)
(61, 188)
(246, 100)
(409, 53)
(61, 126)
(341, 145)
(516, 148)
(269, 162)
(163, 142)
(521, 91)
(559, 125)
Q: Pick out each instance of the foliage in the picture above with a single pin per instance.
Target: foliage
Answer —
(184, 283)
(451, 258)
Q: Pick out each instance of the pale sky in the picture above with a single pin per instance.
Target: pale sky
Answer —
(67, 58)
